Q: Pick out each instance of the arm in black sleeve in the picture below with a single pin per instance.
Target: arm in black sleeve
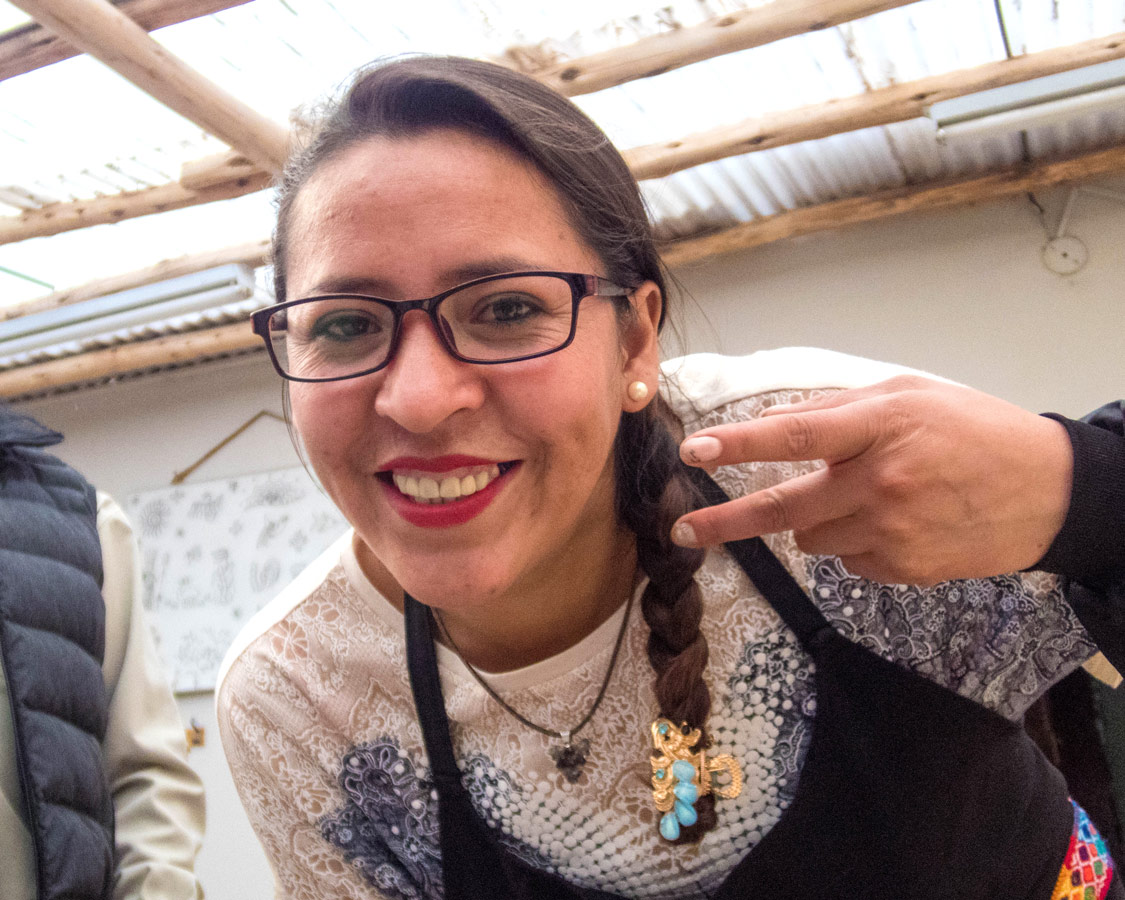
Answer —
(1090, 548)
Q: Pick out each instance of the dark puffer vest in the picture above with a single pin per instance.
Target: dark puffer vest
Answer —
(52, 639)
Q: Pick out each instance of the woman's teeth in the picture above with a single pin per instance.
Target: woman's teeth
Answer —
(446, 488)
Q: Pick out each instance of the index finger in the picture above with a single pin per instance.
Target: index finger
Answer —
(897, 384)
(829, 434)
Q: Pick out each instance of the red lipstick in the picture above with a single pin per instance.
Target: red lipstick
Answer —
(442, 515)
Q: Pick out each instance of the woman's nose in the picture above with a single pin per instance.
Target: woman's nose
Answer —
(423, 385)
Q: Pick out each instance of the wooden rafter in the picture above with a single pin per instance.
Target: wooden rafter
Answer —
(252, 254)
(237, 175)
(32, 46)
(883, 106)
(97, 28)
(837, 214)
(59, 217)
(908, 198)
(660, 53)
(741, 30)
(164, 351)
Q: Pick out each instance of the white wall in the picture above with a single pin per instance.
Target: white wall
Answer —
(961, 293)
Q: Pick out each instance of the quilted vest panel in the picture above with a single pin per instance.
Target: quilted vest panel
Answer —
(52, 641)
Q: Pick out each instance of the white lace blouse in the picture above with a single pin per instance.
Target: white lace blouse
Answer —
(320, 731)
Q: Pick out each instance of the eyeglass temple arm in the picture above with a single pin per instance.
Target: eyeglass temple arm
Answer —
(603, 287)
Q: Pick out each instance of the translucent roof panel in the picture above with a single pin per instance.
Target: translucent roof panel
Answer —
(76, 130)
(1040, 24)
(12, 17)
(75, 257)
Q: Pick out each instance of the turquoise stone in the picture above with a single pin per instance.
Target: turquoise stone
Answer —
(661, 774)
(662, 728)
(685, 813)
(683, 770)
(669, 827)
(686, 791)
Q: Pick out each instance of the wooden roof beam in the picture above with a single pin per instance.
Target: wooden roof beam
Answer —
(162, 351)
(255, 254)
(909, 198)
(226, 339)
(660, 53)
(59, 217)
(29, 47)
(232, 174)
(97, 28)
(740, 30)
(883, 106)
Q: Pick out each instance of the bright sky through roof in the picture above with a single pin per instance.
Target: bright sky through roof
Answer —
(76, 130)
(11, 17)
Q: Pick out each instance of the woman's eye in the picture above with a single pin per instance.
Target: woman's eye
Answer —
(346, 326)
(507, 309)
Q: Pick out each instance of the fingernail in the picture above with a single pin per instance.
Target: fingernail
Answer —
(683, 534)
(701, 449)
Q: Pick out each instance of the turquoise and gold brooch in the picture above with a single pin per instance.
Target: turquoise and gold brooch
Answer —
(680, 776)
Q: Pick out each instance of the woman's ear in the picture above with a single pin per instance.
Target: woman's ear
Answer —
(641, 346)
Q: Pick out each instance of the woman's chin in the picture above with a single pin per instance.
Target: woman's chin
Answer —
(442, 576)
(455, 594)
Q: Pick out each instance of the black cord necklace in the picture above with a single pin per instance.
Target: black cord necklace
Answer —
(572, 755)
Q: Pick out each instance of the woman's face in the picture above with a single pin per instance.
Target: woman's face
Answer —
(408, 218)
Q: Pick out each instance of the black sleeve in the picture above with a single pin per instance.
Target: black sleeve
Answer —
(1091, 544)
(1089, 550)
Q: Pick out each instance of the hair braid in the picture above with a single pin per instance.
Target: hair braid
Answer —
(653, 491)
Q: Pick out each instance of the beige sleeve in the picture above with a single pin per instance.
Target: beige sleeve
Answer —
(157, 796)
(284, 784)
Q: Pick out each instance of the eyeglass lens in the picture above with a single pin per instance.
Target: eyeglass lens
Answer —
(493, 321)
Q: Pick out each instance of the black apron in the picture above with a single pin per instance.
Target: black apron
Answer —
(908, 790)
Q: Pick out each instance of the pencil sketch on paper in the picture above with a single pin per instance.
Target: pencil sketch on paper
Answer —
(213, 553)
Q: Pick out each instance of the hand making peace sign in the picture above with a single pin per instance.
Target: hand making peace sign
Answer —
(924, 481)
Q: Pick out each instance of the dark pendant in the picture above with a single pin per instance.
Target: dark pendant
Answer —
(570, 758)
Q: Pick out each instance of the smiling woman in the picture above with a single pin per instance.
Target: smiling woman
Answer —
(469, 302)
(544, 424)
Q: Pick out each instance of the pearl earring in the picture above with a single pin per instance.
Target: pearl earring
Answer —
(637, 391)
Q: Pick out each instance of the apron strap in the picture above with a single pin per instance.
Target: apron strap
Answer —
(474, 864)
(425, 685)
(769, 576)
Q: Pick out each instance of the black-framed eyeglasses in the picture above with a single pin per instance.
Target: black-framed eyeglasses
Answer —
(497, 319)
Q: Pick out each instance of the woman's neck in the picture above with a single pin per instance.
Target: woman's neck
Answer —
(540, 617)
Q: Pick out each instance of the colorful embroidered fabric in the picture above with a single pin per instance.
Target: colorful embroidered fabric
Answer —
(1088, 868)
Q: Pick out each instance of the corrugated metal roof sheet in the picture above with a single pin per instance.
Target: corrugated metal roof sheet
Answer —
(75, 130)
(219, 296)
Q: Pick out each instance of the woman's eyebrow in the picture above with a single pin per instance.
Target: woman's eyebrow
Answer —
(492, 266)
(346, 285)
(376, 287)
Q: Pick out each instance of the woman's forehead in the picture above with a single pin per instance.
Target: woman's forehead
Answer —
(433, 168)
(444, 200)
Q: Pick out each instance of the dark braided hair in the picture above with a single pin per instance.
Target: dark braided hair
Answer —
(653, 490)
(409, 96)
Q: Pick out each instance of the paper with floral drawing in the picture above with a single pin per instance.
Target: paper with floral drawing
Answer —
(213, 553)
